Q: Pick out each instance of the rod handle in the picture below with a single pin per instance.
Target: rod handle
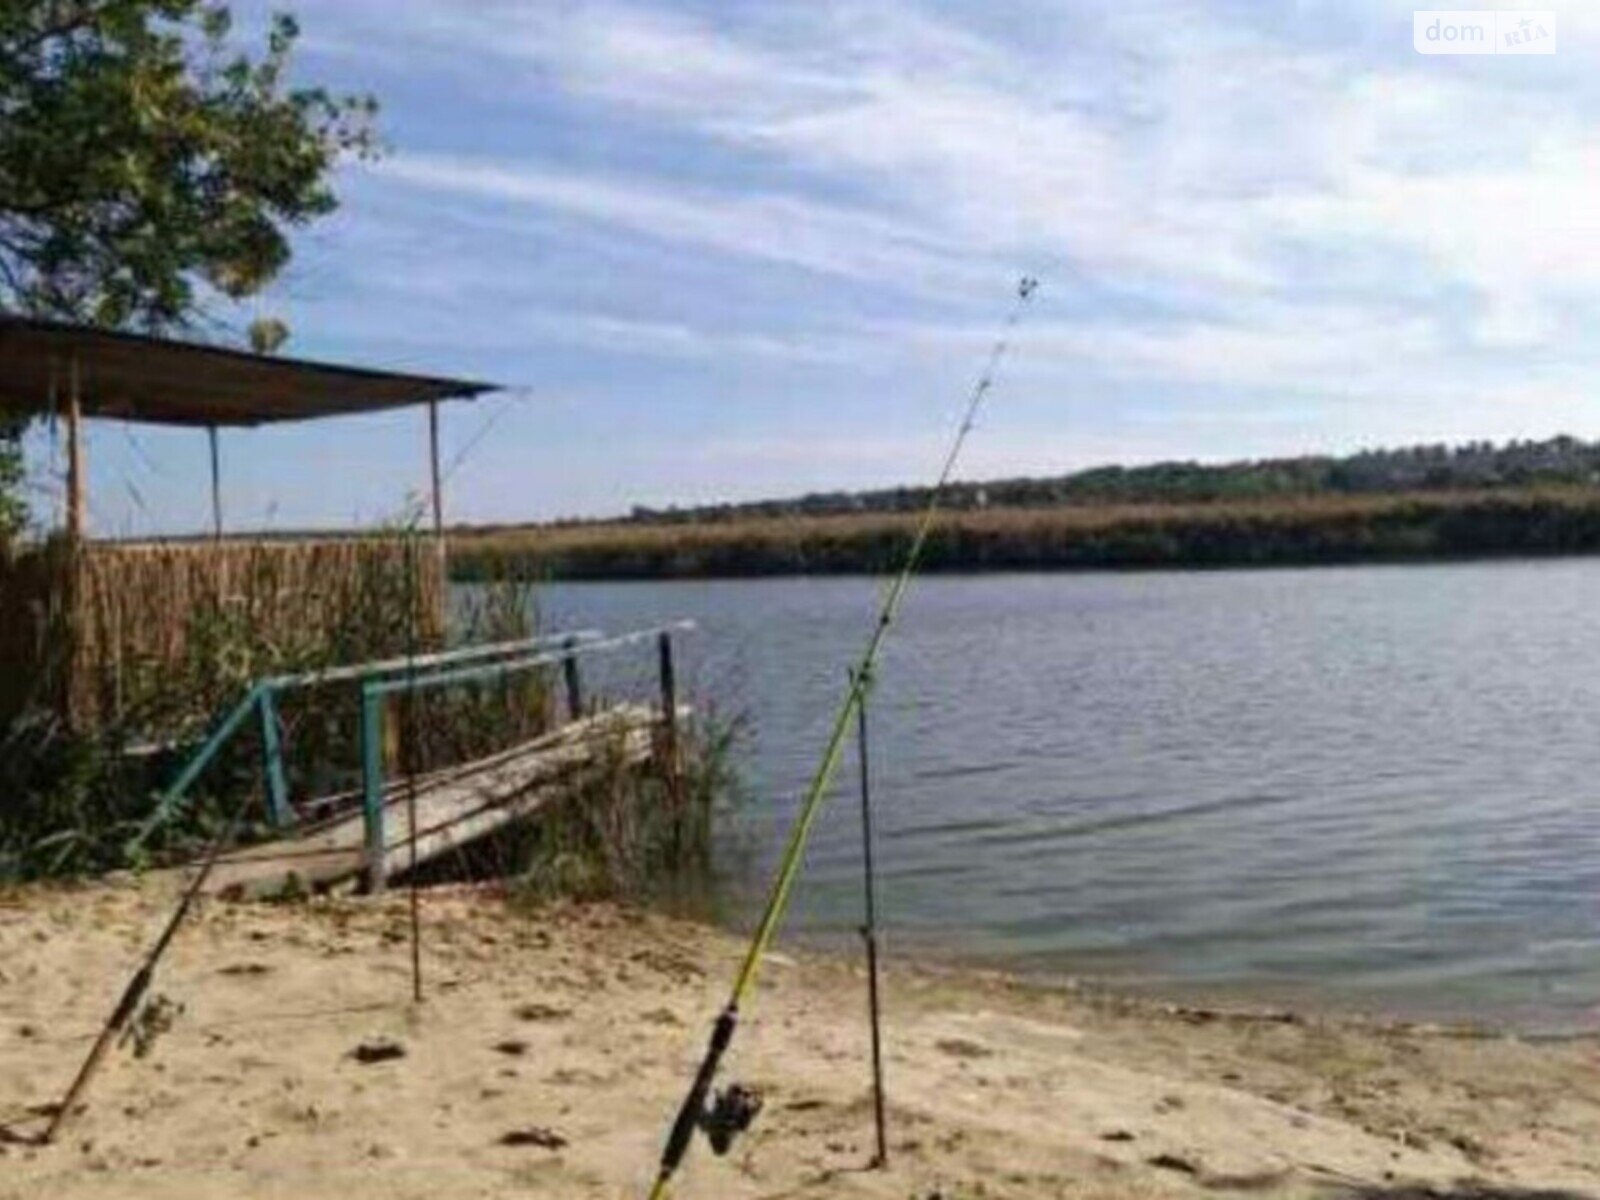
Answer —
(694, 1104)
(120, 1016)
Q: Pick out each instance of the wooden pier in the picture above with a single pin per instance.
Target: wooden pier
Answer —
(367, 834)
(454, 807)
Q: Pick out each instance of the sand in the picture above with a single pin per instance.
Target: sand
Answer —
(572, 1032)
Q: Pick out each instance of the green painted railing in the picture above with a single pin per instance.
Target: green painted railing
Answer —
(375, 691)
(260, 700)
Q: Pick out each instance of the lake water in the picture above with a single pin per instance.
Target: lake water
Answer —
(1359, 787)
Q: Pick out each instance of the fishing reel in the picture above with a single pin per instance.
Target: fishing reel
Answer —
(732, 1111)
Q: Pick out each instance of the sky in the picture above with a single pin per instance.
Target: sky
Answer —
(744, 249)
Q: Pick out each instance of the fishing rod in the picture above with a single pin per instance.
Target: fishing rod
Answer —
(736, 1107)
(869, 935)
(133, 993)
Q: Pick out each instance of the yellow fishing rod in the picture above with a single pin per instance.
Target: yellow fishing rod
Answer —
(735, 1108)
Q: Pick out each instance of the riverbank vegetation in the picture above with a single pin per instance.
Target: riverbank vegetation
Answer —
(80, 800)
(76, 790)
(1276, 531)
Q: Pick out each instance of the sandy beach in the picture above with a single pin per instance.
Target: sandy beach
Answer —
(553, 1046)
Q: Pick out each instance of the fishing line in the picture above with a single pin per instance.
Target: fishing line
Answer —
(409, 751)
(480, 433)
(142, 454)
(735, 1107)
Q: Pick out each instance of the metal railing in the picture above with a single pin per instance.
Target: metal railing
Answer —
(374, 693)
(261, 702)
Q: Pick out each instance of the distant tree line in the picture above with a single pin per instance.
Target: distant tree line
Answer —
(1475, 466)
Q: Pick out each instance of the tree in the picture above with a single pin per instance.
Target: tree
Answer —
(148, 169)
(144, 162)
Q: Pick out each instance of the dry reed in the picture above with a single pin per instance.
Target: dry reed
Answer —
(1293, 529)
(94, 633)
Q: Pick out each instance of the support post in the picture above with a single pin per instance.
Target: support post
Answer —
(372, 788)
(439, 551)
(76, 484)
(433, 464)
(569, 668)
(272, 762)
(669, 698)
(869, 931)
(670, 765)
(216, 483)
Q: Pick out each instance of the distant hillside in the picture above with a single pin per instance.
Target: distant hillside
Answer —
(1474, 466)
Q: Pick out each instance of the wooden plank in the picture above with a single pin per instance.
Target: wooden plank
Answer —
(454, 808)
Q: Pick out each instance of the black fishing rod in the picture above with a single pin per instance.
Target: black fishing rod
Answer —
(735, 1108)
(134, 992)
(869, 935)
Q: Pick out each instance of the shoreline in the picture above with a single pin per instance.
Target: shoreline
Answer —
(584, 1022)
(1238, 1003)
(1306, 999)
(1423, 526)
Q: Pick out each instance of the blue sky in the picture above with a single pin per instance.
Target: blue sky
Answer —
(744, 249)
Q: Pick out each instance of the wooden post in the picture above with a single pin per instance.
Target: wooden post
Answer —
(76, 500)
(569, 668)
(216, 483)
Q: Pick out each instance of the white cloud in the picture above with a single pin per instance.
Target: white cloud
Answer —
(779, 228)
(1208, 146)
(1261, 228)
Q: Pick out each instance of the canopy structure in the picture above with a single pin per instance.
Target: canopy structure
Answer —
(55, 367)
(134, 377)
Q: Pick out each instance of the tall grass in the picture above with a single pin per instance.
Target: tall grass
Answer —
(73, 797)
(106, 634)
(1277, 531)
(73, 793)
(626, 831)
